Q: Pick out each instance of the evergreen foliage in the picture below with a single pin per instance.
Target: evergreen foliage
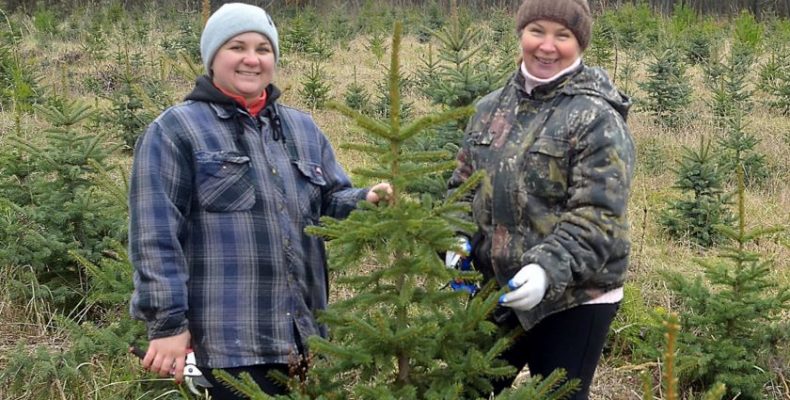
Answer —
(137, 101)
(315, 86)
(432, 19)
(727, 82)
(123, 57)
(775, 78)
(626, 74)
(697, 218)
(738, 151)
(377, 45)
(731, 102)
(94, 351)
(747, 34)
(321, 47)
(356, 96)
(634, 25)
(382, 105)
(667, 87)
(18, 85)
(633, 334)
(669, 374)
(340, 28)
(603, 47)
(734, 315)
(55, 203)
(458, 77)
(186, 41)
(298, 36)
(695, 35)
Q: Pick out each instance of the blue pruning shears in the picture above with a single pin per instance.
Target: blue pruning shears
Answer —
(461, 262)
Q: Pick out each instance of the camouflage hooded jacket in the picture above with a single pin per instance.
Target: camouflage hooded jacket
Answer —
(558, 165)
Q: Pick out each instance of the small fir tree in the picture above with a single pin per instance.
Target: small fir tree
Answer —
(734, 315)
(603, 47)
(96, 336)
(738, 151)
(669, 374)
(401, 334)
(774, 78)
(18, 80)
(460, 76)
(382, 104)
(377, 45)
(131, 110)
(727, 82)
(667, 87)
(321, 48)
(731, 102)
(298, 36)
(696, 218)
(315, 86)
(356, 96)
(747, 34)
(56, 202)
(186, 41)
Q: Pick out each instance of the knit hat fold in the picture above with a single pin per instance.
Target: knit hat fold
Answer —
(233, 19)
(573, 14)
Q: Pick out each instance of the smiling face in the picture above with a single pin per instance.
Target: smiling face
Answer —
(548, 47)
(244, 65)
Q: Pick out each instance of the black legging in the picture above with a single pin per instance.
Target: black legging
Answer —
(572, 340)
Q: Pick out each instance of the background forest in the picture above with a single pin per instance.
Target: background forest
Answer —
(80, 80)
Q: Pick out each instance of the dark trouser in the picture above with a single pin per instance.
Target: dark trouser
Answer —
(572, 340)
(259, 373)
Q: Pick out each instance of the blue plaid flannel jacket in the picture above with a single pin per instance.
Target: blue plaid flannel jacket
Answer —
(218, 205)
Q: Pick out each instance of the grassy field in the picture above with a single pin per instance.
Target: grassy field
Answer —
(68, 59)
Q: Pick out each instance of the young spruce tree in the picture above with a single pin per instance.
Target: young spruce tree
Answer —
(734, 316)
(403, 334)
(696, 218)
(667, 87)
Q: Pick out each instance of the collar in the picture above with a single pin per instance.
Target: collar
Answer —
(253, 108)
(531, 82)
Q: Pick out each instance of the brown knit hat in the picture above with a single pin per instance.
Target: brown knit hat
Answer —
(573, 14)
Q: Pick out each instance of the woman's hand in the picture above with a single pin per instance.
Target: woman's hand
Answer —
(168, 355)
(381, 191)
(527, 288)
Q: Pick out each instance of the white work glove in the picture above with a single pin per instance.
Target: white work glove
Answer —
(527, 288)
(452, 259)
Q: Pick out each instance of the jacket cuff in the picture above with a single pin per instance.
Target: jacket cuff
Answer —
(167, 327)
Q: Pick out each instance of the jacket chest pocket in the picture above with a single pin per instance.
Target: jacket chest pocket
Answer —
(546, 166)
(480, 147)
(310, 183)
(223, 182)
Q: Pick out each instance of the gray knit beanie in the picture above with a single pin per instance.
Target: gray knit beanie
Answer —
(573, 14)
(233, 19)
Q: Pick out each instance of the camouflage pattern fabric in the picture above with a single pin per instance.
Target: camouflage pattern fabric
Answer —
(558, 165)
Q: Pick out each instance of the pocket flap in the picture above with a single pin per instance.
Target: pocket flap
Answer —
(312, 172)
(550, 146)
(221, 163)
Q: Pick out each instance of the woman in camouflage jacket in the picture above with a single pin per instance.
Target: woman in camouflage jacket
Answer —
(551, 210)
